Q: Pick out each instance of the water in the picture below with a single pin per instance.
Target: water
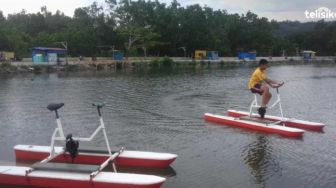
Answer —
(163, 112)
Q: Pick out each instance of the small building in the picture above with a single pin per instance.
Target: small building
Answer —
(252, 55)
(7, 56)
(212, 55)
(200, 54)
(44, 55)
(308, 55)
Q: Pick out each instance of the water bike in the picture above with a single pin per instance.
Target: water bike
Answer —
(89, 155)
(61, 166)
(271, 124)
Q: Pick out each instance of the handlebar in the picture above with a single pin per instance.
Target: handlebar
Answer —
(99, 105)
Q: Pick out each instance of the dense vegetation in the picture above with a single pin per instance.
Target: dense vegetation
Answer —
(156, 29)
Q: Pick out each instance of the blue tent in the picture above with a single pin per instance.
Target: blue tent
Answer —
(247, 55)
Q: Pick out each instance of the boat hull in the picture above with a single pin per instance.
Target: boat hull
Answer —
(126, 158)
(274, 129)
(13, 175)
(308, 125)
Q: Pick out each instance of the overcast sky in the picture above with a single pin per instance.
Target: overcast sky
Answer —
(272, 9)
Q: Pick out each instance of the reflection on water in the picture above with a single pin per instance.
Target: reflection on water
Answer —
(262, 163)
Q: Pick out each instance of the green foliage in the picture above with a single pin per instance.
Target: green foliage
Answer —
(159, 29)
(5, 65)
(119, 65)
(154, 64)
(167, 62)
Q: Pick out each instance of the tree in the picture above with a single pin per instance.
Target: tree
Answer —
(135, 25)
(162, 29)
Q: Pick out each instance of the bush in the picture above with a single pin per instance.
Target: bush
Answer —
(167, 62)
(119, 66)
(154, 64)
(6, 65)
(37, 69)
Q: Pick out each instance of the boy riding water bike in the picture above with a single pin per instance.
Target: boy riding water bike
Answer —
(259, 83)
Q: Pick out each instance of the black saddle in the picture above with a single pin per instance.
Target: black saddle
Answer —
(55, 106)
(98, 104)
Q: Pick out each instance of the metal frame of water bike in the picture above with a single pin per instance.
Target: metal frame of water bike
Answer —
(254, 104)
(58, 135)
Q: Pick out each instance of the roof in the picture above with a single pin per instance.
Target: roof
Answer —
(49, 49)
(45, 50)
(308, 51)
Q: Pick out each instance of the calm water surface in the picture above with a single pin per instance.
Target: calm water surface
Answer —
(163, 112)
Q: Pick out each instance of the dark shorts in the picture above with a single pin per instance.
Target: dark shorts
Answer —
(257, 86)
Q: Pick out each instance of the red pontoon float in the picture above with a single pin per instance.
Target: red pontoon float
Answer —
(71, 175)
(254, 125)
(90, 155)
(290, 122)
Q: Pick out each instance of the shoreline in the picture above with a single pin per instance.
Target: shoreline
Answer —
(163, 63)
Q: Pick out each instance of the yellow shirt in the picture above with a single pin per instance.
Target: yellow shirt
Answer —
(257, 77)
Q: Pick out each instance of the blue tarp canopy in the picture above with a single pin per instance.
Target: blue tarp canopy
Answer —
(247, 55)
(44, 50)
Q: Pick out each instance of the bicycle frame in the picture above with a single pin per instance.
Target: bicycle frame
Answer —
(254, 104)
(58, 135)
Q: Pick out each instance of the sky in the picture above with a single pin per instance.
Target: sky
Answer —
(272, 9)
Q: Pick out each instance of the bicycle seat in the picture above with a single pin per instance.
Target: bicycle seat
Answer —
(98, 104)
(55, 106)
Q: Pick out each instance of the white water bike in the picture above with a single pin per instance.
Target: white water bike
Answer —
(74, 166)
(271, 124)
